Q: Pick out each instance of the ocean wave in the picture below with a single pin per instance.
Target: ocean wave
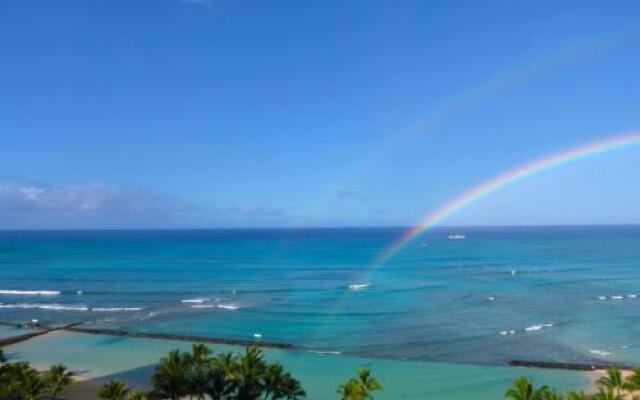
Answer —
(537, 327)
(507, 333)
(197, 300)
(618, 296)
(333, 353)
(600, 353)
(55, 307)
(115, 309)
(29, 292)
(68, 307)
(230, 307)
(358, 286)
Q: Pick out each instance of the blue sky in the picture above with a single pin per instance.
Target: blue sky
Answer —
(244, 113)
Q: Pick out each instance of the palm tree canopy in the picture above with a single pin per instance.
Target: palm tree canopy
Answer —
(612, 380)
(632, 383)
(607, 394)
(57, 378)
(361, 387)
(522, 389)
(114, 390)
(170, 377)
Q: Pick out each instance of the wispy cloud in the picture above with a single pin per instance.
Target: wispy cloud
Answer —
(25, 203)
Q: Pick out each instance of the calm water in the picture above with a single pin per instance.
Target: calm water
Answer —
(536, 293)
(102, 358)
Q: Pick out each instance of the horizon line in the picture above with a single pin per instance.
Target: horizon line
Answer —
(282, 228)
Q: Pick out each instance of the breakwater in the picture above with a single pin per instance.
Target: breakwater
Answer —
(564, 365)
(187, 338)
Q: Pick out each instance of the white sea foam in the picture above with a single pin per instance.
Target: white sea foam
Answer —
(537, 327)
(491, 298)
(507, 332)
(632, 296)
(30, 292)
(358, 286)
(257, 335)
(335, 353)
(616, 297)
(204, 306)
(116, 309)
(602, 297)
(600, 353)
(55, 307)
(228, 306)
(196, 300)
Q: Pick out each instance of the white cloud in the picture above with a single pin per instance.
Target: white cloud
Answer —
(27, 204)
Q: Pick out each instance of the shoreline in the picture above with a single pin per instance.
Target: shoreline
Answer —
(85, 354)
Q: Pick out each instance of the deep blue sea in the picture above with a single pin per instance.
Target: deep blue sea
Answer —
(543, 293)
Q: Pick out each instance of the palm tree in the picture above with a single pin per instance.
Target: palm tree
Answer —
(20, 381)
(552, 394)
(137, 395)
(572, 395)
(274, 381)
(361, 387)
(350, 390)
(170, 377)
(199, 364)
(522, 389)
(58, 378)
(250, 371)
(33, 386)
(612, 381)
(291, 388)
(222, 376)
(114, 390)
(199, 354)
(632, 383)
(607, 394)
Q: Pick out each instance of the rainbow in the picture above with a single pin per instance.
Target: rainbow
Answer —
(515, 175)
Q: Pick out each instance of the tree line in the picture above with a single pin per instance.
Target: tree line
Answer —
(197, 374)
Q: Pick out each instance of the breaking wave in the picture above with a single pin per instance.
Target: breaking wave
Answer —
(29, 292)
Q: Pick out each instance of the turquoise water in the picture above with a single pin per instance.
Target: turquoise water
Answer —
(11, 331)
(439, 300)
(104, 357)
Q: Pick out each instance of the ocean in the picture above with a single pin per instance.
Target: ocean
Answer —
(533, 293)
